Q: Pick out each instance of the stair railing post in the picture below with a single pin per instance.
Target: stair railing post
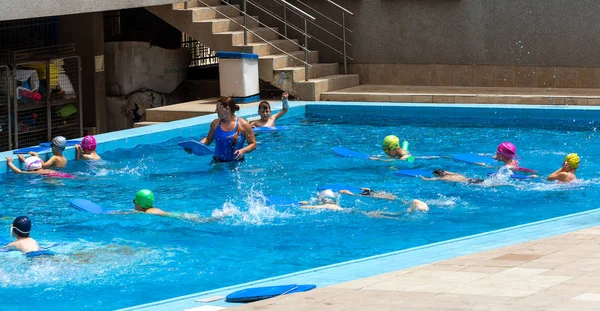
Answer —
(285, 20)
(245, 25)
(344, 37)
(305, 50)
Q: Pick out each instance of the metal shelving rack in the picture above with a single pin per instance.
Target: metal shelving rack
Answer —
(47, 95)
(5, 128)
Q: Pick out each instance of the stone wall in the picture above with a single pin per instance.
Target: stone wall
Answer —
(10, 10)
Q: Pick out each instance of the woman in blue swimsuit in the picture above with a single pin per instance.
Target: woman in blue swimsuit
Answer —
(229, 133)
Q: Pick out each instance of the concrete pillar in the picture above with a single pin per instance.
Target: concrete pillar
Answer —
(87, 32)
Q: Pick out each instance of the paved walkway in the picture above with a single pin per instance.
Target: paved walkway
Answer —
(466, 95)
(556, 273)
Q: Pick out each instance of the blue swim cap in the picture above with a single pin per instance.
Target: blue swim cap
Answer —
(21, 226)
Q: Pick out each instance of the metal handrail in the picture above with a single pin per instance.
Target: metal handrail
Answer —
(323, 15)
(343, 26)
(297, 9)
(340, 7)
(261, 38)
(258, 6)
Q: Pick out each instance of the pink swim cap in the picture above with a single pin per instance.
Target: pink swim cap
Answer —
(88, 143)
(507, 150)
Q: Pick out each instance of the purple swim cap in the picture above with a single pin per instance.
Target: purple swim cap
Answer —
(507, 150)
(88, 143)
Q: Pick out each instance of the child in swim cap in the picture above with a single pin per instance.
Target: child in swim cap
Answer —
(31, 165)
(87, 149)
(566, 173)
(506, 153)
(144, 202)
(20, 229)
(264, 110)
(58, 145)
(391, 147)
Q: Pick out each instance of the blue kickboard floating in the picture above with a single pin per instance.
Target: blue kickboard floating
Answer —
(280, 201)
(515, 176)
(260, 293)
(86, 206)
(347, 153)
(414, 173)
(197, 147)
(472, 158)
(337, 188)
(70, 143)
(30, 149)
(268, 129)
(42, 252)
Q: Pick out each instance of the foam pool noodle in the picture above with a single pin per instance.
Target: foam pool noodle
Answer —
(410, 159)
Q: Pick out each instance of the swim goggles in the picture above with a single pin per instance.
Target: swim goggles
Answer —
(15, 228)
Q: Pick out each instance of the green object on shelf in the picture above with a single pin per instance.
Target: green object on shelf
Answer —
(66, 110)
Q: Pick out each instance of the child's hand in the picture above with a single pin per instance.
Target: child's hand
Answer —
(31, 153)
(9, 159)
(21, 157)
(188, 150)
(78, 147)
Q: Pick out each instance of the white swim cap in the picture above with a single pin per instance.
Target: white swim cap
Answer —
(33, 163)
(327, 196)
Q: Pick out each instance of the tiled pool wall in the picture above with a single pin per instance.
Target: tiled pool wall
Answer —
(412, 110)
(198, 127)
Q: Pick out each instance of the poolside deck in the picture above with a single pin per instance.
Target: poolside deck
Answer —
(466, 95)
(555, 273)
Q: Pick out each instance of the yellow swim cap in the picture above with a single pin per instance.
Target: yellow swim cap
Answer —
(573, 160)
(391, 142)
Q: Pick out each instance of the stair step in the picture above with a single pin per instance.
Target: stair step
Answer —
(145, 123)
(283, 60)
(297, 72)
(237, 37)
(195, 4)
(203, 13)
(267, 64)
(312, 89)
(263, 48)
(225, 24)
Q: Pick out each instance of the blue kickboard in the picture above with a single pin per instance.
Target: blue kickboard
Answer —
(86, 206)
(347, 153)
(280, 201)
(70, 143)
(41, 252)
(337, 188)
(197, 147)
(30, 149)
(515, 176)
(472, 158)
(414, 173)
(260, 293)
(268, 129)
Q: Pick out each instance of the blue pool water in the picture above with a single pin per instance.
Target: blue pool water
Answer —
(113, 261)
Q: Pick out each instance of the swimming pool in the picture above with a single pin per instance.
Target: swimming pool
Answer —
(133, 259)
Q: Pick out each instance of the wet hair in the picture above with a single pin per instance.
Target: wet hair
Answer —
(21, 226)
(439, 172)
(264, 104)
(227, 101)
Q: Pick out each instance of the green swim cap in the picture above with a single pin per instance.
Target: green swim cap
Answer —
(391, 142)
(144, 198)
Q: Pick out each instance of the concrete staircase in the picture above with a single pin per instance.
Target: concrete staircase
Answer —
(220, 34)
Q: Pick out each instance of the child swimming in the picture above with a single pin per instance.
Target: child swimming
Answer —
(506, 153)
(20, 229)
(33, 165)
(264, 110)
(566, 173)
(87, 149)
(452, 177)
(144, 202)
(57, 160)
(391, 147)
